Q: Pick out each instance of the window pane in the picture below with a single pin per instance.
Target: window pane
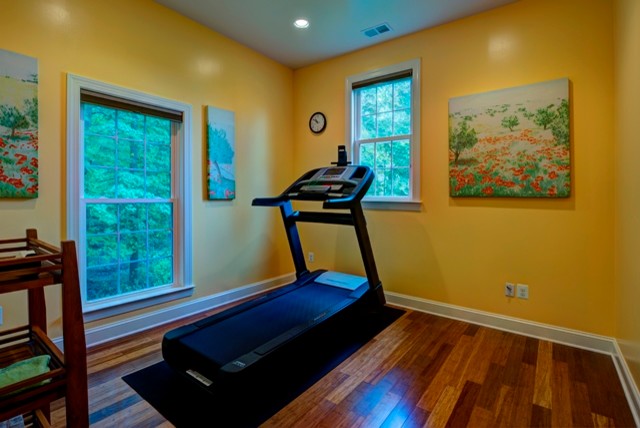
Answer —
(133, 218)
(401, 151)
(99, 182)
(131, 184)
(159, 185)
(133, 246)
(101, 218)
(401, 182)
(383, 182)
(130, 154)
(99, 120)
(158, 130)
(385, 124)
(401, 122)
(159, 157)
(102, 282)
(367, 154)
(133, 276)
(367, 127)
(402, 94)
(161, 272)
(383, 155)
(99, 151)
(385, 98)
(130, 125)
(160, 244)
(160, 216)
(367, 101)
(102, 249)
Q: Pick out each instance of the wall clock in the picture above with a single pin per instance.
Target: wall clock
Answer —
(317, 122)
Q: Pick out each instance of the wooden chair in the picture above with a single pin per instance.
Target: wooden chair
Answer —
(67, 375)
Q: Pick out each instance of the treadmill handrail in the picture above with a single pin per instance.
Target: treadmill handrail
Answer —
(354, 217)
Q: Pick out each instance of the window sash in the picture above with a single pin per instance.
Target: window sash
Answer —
(84, 202)
(354, 140)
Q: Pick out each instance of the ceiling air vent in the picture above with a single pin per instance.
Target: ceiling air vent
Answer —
(376, 30)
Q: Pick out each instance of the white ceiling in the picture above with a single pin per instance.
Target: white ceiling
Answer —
(335, 25)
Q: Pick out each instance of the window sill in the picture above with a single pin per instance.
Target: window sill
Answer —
(128, 303)
(391, 205)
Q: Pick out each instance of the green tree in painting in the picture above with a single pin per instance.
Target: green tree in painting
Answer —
(31, 111)
(510, 122)
(220, 145)
(12, 118)
(544, 116)
(220, 152)
(560, 125)
(461, 138)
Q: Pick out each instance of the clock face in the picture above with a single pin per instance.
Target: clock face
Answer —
(317, 122)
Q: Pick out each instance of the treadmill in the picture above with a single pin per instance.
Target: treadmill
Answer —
(237, 341)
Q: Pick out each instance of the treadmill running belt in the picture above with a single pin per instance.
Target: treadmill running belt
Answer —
(235, 336)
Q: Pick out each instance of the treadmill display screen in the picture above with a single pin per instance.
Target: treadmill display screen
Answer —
(333, 173)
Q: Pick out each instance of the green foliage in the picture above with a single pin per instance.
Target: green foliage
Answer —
(544, 116)
(390, 162)
(31, 111)
(219, 147)
(12, 118)
(461, 138)
(510, 122)
(127, 155)
(560, 125)
(385, 113)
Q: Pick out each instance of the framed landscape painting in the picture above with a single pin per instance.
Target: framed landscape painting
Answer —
(511, 143)
(221, 177)
(18, 126)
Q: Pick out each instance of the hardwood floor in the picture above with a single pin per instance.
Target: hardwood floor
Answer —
(423, 370)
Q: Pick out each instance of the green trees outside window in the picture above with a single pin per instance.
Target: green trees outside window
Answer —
(383, 133)
(129, 213)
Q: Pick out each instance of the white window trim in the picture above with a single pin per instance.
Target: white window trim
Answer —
(413, 202)
(183, 286)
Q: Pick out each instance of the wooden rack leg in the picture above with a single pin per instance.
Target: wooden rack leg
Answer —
(75, 348)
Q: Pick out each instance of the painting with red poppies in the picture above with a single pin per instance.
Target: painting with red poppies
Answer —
(18, 126)
(511, 143)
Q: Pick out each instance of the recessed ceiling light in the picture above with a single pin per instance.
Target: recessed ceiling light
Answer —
(301, 23)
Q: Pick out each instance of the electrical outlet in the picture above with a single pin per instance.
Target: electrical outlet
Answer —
(523, 291)
(509, 289)
(311, 257)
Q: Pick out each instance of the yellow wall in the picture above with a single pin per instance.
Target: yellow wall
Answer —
(458, 251)
(144, 46)
(461, 251)
(627, 112)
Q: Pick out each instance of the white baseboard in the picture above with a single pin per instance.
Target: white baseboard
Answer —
(108, 332)
(575, 338)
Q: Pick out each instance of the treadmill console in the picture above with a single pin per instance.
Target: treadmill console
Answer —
(330, 183)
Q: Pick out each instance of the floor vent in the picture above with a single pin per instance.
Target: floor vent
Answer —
(376, 30)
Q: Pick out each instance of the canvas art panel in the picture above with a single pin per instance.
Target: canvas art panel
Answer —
(221, 177)
(512, 142)
(18, 125)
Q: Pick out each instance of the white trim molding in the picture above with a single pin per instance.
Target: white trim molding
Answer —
(182, 196)
(575, 338)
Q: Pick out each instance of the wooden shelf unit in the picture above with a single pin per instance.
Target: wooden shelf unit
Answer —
(48, 265)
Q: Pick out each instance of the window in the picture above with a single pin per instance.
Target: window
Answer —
(128, 196)
(383, 129)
